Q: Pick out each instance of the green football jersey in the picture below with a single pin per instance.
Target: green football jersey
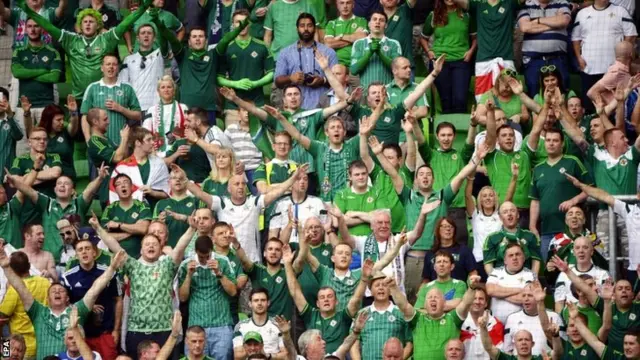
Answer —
(446, 164)
(375, 70)
(175, 228)
(213, 187)
(198, 72)
(10, 133)
(101, 150)
(400, 28)
(39, 93)
(450, 289)
(333, 166)
(137, 211)
(50, 329)
(23, 165)
(495, 28)
(63, 145)
(616, 176)
(413, 201)
(169, 20)
(582, 352)
(496, 244)
(498, 165)
(338, 27)
(281, 20)
(623, 321)
(344, 286)
(195, 163)
(280, 301)
(389, 125)
(432, 335)
(10, 225)
(334, 328)
(382, 325)
(308, 282)
(374, 198)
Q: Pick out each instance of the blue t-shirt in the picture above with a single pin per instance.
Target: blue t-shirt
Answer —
(464, 261)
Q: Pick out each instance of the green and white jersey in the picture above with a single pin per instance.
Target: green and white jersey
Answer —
(308, 122)
(85, 57)
(613, 354)
(374, 198)
(40, 93)
(50, 328)
(400, 28)
(495, 28)
(413, 201)
(398, 94)
(551, 187)
(101, 150)
(22, 165)
(10, 133)
(213, 187)
(151, 307)
(198, 72)
(498, 165)
(98, 93)
(137, 211)
(623, 321)
(382, 181)
(52, 212)
(496, 243)
(247, 59)
(582, 352)
(382, 325)
(281, 20)
(271, 336)
(333, 166)
(375, 70)
(593, 314)
(280, 302)
(308, 281)
(430, 336)
(389, 125)
(236, 268)
(450, 289)
(10, 225)
(169, 20)
(334, 328)
(446, 164)
(63, 145)
(208, 301)
(344, 286)
(184, 206)
(338, 27)
(616, 176)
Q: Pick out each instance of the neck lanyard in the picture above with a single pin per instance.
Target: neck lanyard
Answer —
(314, 47)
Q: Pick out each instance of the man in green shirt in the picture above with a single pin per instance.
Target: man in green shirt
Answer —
(37, 66)
(169, 20)
(402, 85)
(66, 202)
(248, 66)
(126, 219)
(207, 282)
(524, 341)
(199, 66)
(102, 150)
(400, 25)
(86, 49)
(51, 322)
(371, 56)
(342, 32)
(433, 328)
(10, 212)
(151, 278)
(10, 132)
(325, 316)
(452, 289)
(118, 99)
(281, 20)
(575, 347)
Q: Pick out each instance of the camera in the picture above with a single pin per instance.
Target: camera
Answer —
(308, 78)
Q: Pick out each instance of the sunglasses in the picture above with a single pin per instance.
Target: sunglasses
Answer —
(548, 69)
(509, 72)
(142, 63)
(66, 233)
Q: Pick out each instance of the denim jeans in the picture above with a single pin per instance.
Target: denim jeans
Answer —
(453, 86)
(532, 73)
(218, 344)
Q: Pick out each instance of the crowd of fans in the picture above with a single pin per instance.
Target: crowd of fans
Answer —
(264, 182)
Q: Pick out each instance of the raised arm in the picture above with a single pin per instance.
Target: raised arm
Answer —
(128, 21)
(355, 302)
(177, 254)
(396, 179)
(296, 135)
(92, 188)
(276, 193)
(169, 35)
(538, 123)
(335, 84)
(418, 227)
(15, 281)
(40, 20)
(487, 344)
(22, 185)
(284, 326)
(584, 331)
(606, 294)
(419, 91)
(342, 104)
(594, 192)
(222, 45)
(469, 169)
(83, 348)
(108, 240)
(176, 330)
(388, 257)
(230, 95)
(511, 189)
(101, 282)
(552, 332)
(350, 340)
(295, 290)
(246, 263)
(492, 131)
(399, 299)
(592, 295)
(467, 300)
(412, 152)
(517, 89)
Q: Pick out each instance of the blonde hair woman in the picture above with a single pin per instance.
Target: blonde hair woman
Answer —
(222, 170)
(483, 212)
(166, 118)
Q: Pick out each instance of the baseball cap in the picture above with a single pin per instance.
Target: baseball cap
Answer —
(252, 335)
(87, 233)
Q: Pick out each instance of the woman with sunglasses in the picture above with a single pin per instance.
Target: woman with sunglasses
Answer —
(504, 99)
(551, 78)
(451, 29)
(60, 136)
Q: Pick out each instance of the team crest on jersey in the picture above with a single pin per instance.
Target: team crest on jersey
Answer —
(517, 156)
(562, 170)
(134, 215)
(443, 321)
(60, 139)
(392, 318)
(583, 129)
(119, 93)
(632, 317)
(354, 25)
(333, 323)
(206, 58)
(396, 18)
(325, 253)
(387, 119)
(189, 204)
(583, 352)
(105, 18)
(623, 162)
(385, 48)
(454, 157)
(254, 54)
(98, 49)
(350, 282)
(369, 199)
(504, 242)
(303, 122)
(45, 58)
(501, 10)
(279, 279)
(6, 126)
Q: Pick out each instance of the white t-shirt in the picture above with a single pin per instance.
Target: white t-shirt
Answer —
(631, 215)
(501, 308)
(244, 218)
(215, 136)
(312, 206)
(563, 284)
(470, 336)
(482, 226)
(143, 81)
(521, 321)
(271, 336)
(395, 268)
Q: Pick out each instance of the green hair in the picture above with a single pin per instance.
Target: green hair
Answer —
(90, 12)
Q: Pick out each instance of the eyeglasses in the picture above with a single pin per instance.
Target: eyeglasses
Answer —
(66, 233)
(509, 72)
(548, 69)
(281, 143)
(142, 63)
(446, 227)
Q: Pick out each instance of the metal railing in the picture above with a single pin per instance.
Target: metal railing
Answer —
(613, 239)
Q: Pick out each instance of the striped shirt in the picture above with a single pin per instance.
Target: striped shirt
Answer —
(98, 93)
(600, 30)
(550, 42)
(376, 70)
(143, 78)
(344, 286)
(243, 147)
(382, 325)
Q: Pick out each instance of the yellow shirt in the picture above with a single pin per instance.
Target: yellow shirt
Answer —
(19, 322)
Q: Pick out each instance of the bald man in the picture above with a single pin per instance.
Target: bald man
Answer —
(454, 350)
(393, 349)
(618, 73)
(402, 86)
